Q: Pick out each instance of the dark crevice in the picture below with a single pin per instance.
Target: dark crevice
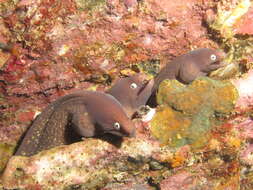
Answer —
(21, 95)
(152, 183)
(56, 87)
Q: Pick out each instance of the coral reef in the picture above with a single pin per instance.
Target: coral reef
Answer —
(51, 48)
(56, 48)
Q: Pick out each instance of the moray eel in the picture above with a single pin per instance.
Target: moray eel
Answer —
(85, 113)
(132, 92)
(188, 67)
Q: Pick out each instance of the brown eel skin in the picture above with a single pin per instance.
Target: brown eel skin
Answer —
(132, 92)
(87, 113)
(188, 67)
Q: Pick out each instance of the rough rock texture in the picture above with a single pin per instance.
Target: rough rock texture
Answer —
(200, 94)
(245, 91)
(188, 113)
(231, 27)
(6, 152)
(230, 13)
(90, 164)
(245, 25)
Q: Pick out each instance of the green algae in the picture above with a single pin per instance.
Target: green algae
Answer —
(150, 67)
(6, 151)
(7, 5)
(203, 92)
(90, 5)
(171, 122)
(187, 113)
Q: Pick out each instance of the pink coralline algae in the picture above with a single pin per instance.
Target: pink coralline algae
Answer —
(183, 180)
(244, 87)
(247, 155)
(245, 25)
(130, 3)
(81, 162)
(245, 126)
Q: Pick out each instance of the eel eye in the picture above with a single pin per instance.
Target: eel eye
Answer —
(116, 126)
(213, 57)
(133, 85)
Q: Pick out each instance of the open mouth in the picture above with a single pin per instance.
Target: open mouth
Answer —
(218, 64)
(117, 133)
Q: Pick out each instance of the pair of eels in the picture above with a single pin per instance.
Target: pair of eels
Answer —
(90, 113)
(87, 114)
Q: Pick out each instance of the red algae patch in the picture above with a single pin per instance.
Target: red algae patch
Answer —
(183, 180)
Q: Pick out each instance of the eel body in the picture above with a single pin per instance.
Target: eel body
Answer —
(132, 92)
(188, 67)
(81, 114)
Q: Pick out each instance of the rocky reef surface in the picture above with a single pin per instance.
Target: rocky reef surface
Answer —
(187, 113)
(201, 134)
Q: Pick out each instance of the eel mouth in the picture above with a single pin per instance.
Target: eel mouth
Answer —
(218, 64)
(120, 134)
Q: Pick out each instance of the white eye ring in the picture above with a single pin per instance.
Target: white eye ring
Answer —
(213, 57)
(116, 125)
(133, 85)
